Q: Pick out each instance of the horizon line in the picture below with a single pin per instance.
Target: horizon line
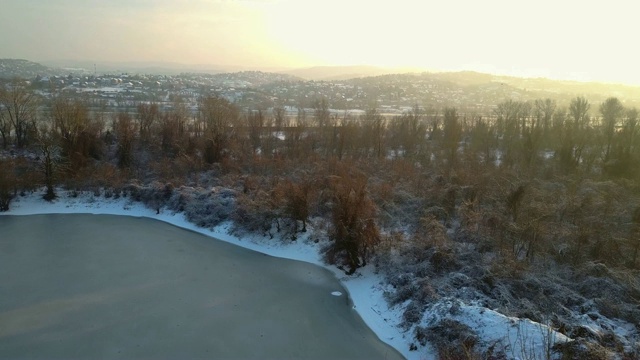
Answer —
(222, 69)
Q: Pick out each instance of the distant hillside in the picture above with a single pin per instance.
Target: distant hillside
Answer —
(245, 78)
(136, 67)
(479, 86)
(10, 68)
(467, 87)
(547, 87)
(148, 67)
(393, 87)
(342, 72)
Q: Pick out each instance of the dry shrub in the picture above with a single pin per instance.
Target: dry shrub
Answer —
(581, 349)
(627, 278)
(354, 233)
(388, 244)
(173, 169)
(433, 232)
(403, 169)
(257, 212)
(107, 175)
(296, 197)
(470, 216)
(452, 340)
(444, 261)
(507, 266)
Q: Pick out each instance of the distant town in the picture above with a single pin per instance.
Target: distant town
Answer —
(393, 94)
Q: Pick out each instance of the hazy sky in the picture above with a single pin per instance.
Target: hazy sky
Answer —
(585, 40)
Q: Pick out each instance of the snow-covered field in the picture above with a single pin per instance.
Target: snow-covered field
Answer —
(520, 339)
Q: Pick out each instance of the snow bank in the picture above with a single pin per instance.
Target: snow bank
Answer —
(519, 338)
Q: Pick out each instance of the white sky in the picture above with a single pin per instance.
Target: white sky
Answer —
(584, 40)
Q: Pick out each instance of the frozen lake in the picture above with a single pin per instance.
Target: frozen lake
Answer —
(87, 286)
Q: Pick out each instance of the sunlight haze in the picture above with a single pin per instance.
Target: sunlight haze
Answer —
(563, 40)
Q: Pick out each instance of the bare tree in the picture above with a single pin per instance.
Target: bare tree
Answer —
(630, 131)
(124, 129)
(255, 123)
(19, 107)
(512, 123)
(575, 133)
(294, 135)
(579, 111)
(280, 123)
(452, 134)
(5, 127)
(279, 118)
(634, 238)
(353, 231)
(611, 111)
(218, 117)
(544, 111)
(147, 116)
(173, 130)
(8, 183)
(374, 121)
(297, 203)
(323, 122)
(51, 160)
(483, 139)
(77, 134)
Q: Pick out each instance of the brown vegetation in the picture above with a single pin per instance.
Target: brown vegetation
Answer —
(498, 199)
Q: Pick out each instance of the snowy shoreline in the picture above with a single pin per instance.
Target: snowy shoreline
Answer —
(365, 290)
(519, 338)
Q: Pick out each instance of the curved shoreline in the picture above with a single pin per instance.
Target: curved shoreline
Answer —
(364, 291)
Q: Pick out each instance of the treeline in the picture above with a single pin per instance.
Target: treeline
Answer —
(529, 180)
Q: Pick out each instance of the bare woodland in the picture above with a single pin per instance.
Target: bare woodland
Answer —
(533, 208)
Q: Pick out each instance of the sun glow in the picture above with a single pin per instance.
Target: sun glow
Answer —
(568, 39)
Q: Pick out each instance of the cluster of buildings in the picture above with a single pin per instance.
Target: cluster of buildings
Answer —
(251, 90)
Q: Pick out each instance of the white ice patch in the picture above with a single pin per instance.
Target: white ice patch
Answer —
(336, 293)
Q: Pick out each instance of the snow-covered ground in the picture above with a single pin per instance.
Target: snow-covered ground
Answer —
(519, 338)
